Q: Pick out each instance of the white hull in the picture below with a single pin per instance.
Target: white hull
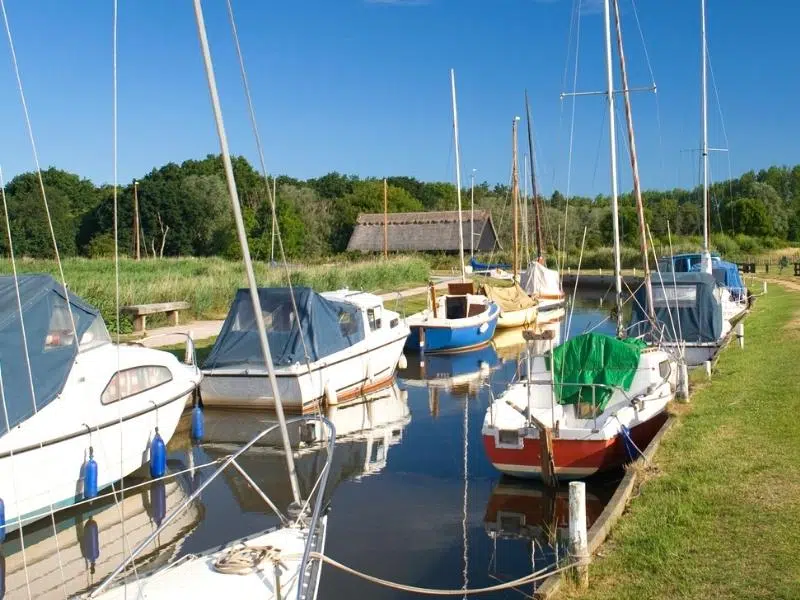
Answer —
(46, 558)
(42, 459)
(348, 373)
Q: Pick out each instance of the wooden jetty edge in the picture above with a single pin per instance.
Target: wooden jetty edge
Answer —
(599, 531)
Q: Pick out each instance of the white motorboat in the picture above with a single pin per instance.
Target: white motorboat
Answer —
(329, 348)
(88, 406)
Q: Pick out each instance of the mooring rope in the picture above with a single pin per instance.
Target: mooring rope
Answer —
(248, 559)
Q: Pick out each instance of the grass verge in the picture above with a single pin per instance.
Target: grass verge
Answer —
(722, 518)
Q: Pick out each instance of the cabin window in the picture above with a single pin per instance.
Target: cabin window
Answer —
(374, 318)
(509, 438)
(510, 523)
(675, 296)
(664, 368)
(130, 382)
(96, 335)
(59, 330)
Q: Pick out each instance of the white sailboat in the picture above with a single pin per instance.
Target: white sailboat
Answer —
(273, 564)
(596, 401)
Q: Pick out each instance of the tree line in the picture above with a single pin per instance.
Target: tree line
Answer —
(184, 211)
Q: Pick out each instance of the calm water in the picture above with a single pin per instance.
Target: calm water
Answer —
(401, 507)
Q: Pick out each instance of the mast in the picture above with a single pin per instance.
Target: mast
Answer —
(637, 188)
(534, 190)
(248, 264)
(612, 140)
(705, 261)
(458, 176)
(385, 218)
(472, 216)
(526, 246)
(515, 195)
(136, 247)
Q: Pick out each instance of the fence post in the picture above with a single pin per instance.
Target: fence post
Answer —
(578, 540)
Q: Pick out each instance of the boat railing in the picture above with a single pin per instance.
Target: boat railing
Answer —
(231, 461)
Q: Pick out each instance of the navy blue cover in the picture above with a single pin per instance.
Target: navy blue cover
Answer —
(690, 297)
(51, 344)
(323, 328)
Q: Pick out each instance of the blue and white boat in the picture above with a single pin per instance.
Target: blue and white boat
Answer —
(733, 292)
(454, 323)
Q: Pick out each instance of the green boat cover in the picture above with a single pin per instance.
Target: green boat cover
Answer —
(594, 358)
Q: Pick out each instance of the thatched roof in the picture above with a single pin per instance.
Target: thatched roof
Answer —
(423, 231)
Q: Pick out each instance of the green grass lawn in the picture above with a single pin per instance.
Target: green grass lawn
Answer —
(720, 518)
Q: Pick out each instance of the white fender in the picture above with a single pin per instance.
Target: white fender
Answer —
(483, 328)
(370, 372)
(402, 363)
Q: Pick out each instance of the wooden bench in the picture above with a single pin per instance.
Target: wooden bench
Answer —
(139, 313)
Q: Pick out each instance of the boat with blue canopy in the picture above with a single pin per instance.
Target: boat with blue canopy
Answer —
(688, 312)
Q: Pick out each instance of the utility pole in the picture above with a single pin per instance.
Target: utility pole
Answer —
(385, 218)
(136, 248)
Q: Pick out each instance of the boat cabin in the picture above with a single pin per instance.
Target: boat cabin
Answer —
(688, 307)
(726, 273)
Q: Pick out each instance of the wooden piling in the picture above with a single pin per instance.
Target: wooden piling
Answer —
(578, 540)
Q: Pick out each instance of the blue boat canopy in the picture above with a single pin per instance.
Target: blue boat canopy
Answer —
(687, 307)
(51, 347)
(319, 328)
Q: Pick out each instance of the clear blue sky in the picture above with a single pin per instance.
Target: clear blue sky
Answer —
(361, 86)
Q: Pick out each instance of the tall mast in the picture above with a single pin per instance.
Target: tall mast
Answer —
(248, 264)
(458, 176)
(637, 188)
(534, 190)
(706, 258)
(526, 245)
(612, 139)
(515, 195)
(472, 216)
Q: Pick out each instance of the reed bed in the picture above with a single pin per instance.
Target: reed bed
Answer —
(209, 284)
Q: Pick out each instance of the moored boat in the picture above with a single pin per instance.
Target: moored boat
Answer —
(71, 398)
(602, 408)
(455, 322)
(330, 347)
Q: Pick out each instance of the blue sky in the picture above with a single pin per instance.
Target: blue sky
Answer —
(362, 86)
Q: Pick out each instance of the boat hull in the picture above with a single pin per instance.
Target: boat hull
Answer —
(302, 388)
(454, 336)
(49, 476)
(573, 458)
(524, 317)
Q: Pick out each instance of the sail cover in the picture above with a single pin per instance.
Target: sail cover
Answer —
(51, 343)
(319, 328)
(594, 358)
(727, 274)
(539, 280)
(687, 307)
(509, 298)
(479, 266)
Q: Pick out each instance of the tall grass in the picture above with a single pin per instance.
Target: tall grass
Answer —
(209, 284)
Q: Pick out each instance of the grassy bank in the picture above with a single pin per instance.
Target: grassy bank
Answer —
(208, 284)
(720, 516)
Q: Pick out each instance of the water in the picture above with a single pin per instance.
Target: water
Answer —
(401, 507)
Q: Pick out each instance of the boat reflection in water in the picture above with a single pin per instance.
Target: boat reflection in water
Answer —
(460, 374)
(529, 512)
(510, 345)
(364, 434)
(92, 540)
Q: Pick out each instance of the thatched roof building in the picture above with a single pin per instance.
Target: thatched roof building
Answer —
(423, 232)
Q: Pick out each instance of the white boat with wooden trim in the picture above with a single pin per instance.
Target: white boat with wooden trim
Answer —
(87, 405)
(328, 348)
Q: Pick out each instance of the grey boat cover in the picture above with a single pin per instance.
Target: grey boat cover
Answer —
(323, 328)
(51, 344)
(693, 301)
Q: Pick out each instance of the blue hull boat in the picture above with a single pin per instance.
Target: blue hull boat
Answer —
(432, 334)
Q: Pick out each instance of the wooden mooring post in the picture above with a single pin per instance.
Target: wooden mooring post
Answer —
(578, 539)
